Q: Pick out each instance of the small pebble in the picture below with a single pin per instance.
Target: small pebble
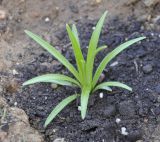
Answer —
(118, 120)
(54, 86)
(54, 130)
(47, 19)
(14, 72)
(93, 28)
(101, 95)
(15, 103)
(147, 69)
(114, 64)
(79, 108)
(59, 140)
(123, 131)
(45, 97)
(102, 77)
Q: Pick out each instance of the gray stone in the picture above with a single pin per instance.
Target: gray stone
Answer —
(147, 68)
(102, 77)
(54, 86)
(59, 140)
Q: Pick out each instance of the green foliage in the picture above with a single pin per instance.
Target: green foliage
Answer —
(83, 75)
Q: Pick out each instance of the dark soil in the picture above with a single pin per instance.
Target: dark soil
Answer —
(138, 66)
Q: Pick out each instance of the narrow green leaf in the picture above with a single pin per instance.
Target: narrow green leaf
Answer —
(112, 83)
(53, 78)
(54, 52)
(92, 47)
(110, 56)
(59, 108)
(103, 87)
(76, 49)
(84, 101)
(100, 49)
(75, 32)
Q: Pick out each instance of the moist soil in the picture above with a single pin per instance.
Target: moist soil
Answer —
(138, 66)
(137, 111)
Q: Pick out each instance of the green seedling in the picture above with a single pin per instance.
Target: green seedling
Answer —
(83, 76)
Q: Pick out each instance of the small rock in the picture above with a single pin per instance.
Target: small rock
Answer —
(149, 3)
(3, 15)
(40, 113)
(15, 103)
(59, 140)
(101, 95)
(14, 72)
(109, 111)
(47, 19)
(147, 68)
(126, 108)
(93, 28)
(124, 131)
(54, 86)
(79, 108)
(118, 120)
(102, 77)
(114, 64)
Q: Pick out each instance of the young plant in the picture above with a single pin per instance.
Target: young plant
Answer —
(83, 75)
